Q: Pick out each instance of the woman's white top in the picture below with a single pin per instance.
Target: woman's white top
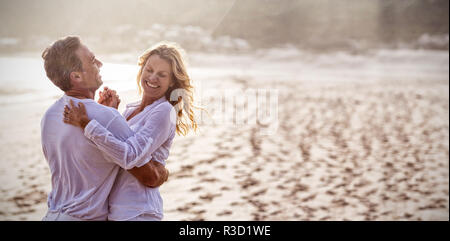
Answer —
(154, 130)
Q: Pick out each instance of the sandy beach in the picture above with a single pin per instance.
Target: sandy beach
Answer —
(356, 137)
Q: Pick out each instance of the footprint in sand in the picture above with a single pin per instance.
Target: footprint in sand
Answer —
(202, 173)
(183, 209)
(194, 189)
(260, 192)
(225, 213)
(275, 212)
(209, 197)
(248, 182)
(308, 198)
(212, 179)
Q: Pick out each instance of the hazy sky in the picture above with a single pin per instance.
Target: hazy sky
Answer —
(261, 22)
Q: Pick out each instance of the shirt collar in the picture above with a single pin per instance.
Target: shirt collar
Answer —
(67, 98)
(155, 103)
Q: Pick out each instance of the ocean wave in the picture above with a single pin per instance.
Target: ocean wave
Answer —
(4, 91)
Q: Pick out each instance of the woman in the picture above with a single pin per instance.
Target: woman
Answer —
(154, 121)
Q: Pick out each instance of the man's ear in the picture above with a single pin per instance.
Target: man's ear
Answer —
(75, 77)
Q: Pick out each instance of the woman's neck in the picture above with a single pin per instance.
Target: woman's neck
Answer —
(146, 101)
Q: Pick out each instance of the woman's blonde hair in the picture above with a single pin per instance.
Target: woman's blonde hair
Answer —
(181, 94)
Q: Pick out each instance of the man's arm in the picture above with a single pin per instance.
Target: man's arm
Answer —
(152, 174)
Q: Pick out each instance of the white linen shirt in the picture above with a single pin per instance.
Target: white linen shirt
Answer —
(82, 176)
(153, 132)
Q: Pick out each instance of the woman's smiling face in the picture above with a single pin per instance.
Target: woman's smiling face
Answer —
(156, 77)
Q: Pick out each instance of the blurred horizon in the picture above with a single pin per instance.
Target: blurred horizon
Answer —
(226, 26)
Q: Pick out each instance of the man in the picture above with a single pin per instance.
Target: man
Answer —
(82, 177)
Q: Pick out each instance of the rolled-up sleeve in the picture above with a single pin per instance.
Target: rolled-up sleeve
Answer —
(136, 150)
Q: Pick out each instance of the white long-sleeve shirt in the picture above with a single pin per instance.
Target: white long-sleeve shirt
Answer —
(82, 176)
(153, 133)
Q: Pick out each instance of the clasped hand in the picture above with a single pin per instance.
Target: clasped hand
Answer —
(109, 97)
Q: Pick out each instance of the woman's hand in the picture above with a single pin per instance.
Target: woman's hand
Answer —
(109, 98)
(76, 116)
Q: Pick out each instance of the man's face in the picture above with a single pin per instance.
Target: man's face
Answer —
(90, 75)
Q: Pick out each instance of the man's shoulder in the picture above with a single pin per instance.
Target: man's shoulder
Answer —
(54, 109)
(102, 114)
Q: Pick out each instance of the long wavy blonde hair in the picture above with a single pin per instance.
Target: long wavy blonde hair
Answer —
(181, 94)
